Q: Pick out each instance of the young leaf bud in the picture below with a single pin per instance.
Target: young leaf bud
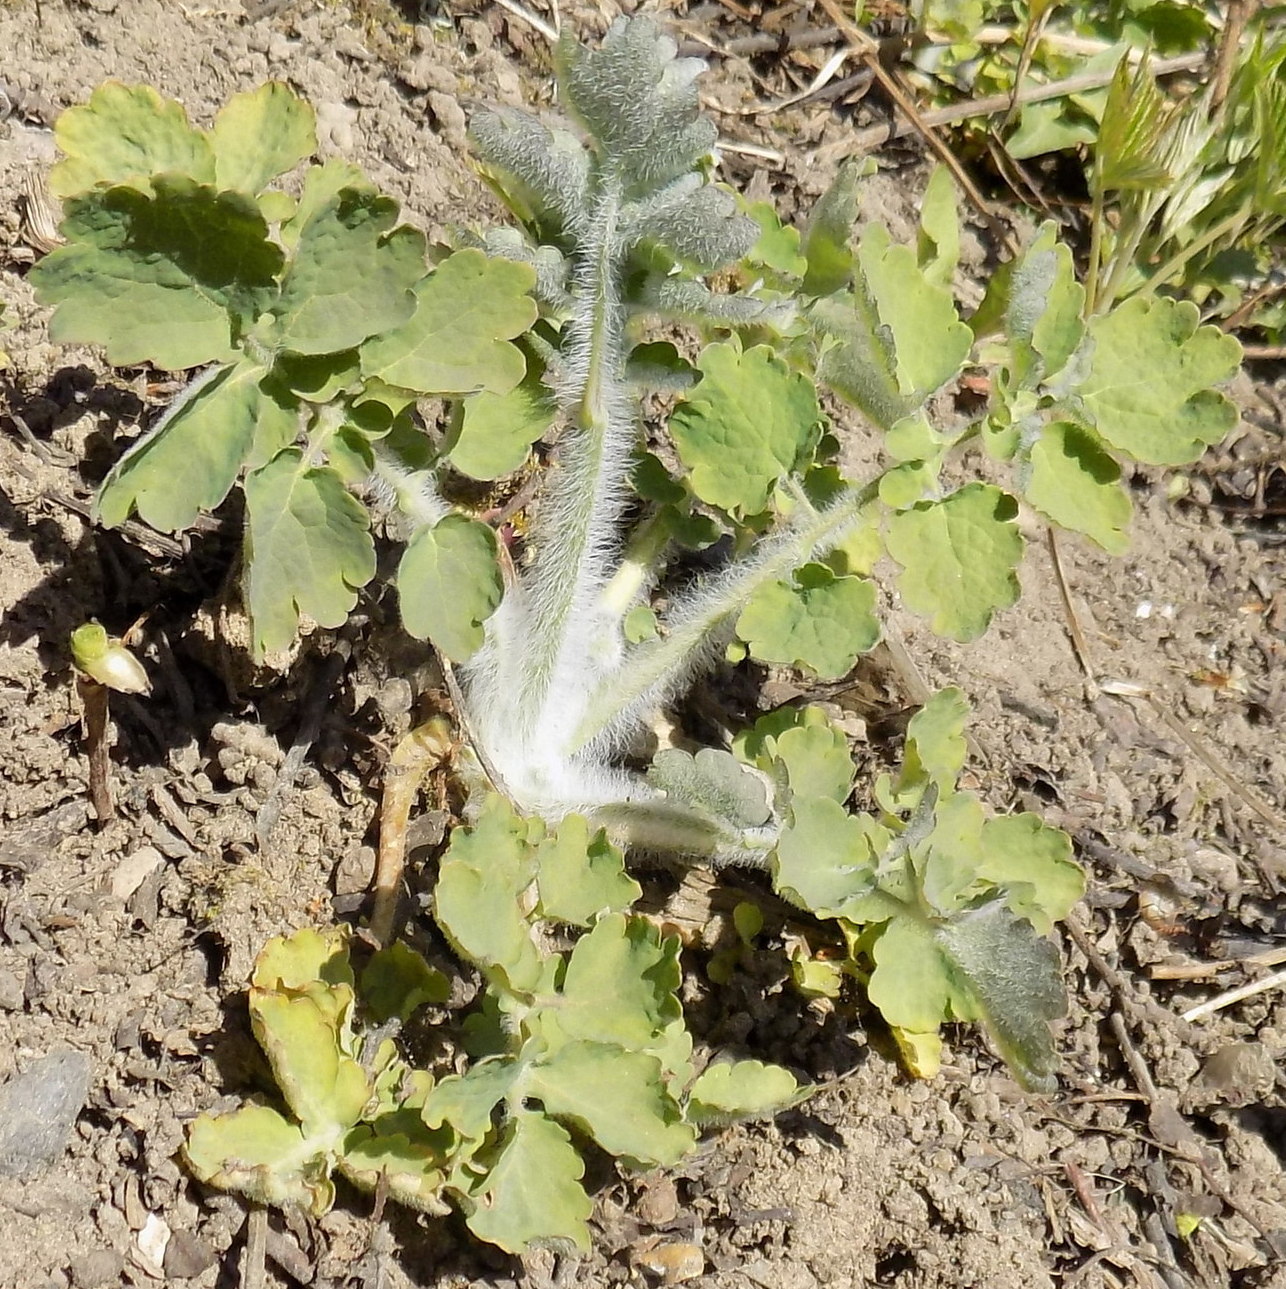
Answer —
(105, 659)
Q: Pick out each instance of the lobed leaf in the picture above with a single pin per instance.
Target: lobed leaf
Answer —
(749, 421)
(731, 1090)
(190, 459)
(467, 1102)
(126, 134)
(351, 275)
(304, 958)
(958, 558)
(531, 1193)
(302, 1035)
(169, 278)
(818, 621)
(493, 433)
(398, 981)
(1151, 366)
(813, 752)
(826, 857)
(308, 549)
(481, 876)
(408, 1169)
(260, 134)
(449, 584)
(257, 1152)
(1074, 482)
(1032, 864)
(617, 1097)
(457, 341)
(619, 986)
(580, 875)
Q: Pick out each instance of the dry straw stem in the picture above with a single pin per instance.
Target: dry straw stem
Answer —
(1226, 999)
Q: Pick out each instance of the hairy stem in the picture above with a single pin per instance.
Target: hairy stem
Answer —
(651, 671)
(576, 533)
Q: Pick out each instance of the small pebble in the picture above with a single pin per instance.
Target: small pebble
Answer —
(38, 1109)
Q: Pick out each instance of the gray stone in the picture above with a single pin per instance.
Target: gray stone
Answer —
(98, 1270)
(187, 1255)
(12, 993)
(38, 1109)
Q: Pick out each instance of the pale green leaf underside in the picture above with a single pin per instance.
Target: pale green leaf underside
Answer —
(1148, 387)
(457, 341)
(449, 584)
(818, 621)
(308, 549)
(749, 421)
(1078, 485)
(958, 558)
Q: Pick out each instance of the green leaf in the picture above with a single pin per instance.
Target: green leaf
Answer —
(1016, 986)
(467, 1102)
(190, 459)
(938, 245)
(935, 750)
(457, 341)
(895, 340)
(1033, 864)
(351, 275)
(397, 982)
(913, 984)
(619, 986)
(930, 343)
(1148, 386)
(1035, 301)
(484, 871)
(828, 253)
(749, 421)
(1078, 485)
(618, 1098)
(257, 1152)
(126, 134)
(408, 1169)
(302, 1035)
(449, 584)
(167, 279)
(731, 1090)
(813, 751)
(308, 549)
(821, 621)
(532, 1192)
(826, 857)
(322, 184)
(580, 875)
(958, 558)
(495, 432)
(304, 958)
(778, 247)
(260, 134)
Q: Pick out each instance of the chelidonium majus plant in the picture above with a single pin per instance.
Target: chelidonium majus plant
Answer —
(722, 528)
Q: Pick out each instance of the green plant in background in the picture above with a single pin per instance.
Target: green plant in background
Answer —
(322, 324)
(1193, 183)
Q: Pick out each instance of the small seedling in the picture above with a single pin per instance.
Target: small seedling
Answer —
(103, 663)
(320, 322)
